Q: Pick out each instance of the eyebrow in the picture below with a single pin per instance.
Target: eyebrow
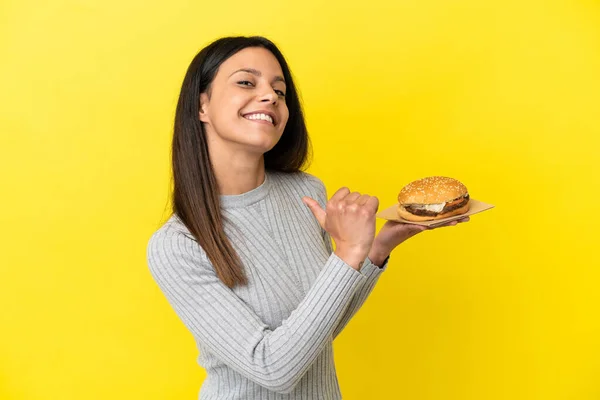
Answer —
(256, 72)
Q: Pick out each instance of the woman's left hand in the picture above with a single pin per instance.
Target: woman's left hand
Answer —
(393, 233)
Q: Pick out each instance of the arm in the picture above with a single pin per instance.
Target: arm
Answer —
(275, 359)
(371, 271)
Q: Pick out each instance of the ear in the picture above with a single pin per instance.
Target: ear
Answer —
(203, 114)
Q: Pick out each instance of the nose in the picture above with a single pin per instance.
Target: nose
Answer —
(269, 96)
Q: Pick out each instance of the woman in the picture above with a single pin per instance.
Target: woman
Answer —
(246, 259)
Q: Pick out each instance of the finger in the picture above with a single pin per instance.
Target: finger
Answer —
(316, 210)
(362, 200)
(352, 197)
(451, 223)
(340, 194)
(466, 219)
(373, 203)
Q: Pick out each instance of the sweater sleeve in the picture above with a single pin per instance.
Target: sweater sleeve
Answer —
(371, 271)
(275, 359)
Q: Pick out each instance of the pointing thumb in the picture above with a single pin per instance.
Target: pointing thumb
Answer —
(316, 209)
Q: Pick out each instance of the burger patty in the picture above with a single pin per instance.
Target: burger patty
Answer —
(427, 213)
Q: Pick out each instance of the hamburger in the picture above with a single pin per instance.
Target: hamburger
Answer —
(432, 198)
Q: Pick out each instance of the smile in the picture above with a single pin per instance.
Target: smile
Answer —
(260, 117)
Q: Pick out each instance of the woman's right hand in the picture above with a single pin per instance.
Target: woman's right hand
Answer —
(349, 218)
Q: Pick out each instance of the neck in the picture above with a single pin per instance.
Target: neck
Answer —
(240, 174)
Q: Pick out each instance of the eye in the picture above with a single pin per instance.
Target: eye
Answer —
(280, 93)
(245, 83)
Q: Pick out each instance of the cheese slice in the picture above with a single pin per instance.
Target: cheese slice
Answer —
(429, 207)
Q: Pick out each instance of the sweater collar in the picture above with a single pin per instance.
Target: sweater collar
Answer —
(248, 198)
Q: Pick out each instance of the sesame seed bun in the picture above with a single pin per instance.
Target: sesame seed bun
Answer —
(433, 190)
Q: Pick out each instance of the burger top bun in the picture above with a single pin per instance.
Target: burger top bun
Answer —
(431, 190)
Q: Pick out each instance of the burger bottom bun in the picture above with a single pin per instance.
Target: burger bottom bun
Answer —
(402, 213)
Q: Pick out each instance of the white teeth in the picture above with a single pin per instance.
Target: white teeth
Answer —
(264, 117)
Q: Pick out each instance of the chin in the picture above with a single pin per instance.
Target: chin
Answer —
(259, 145)
(261, 140)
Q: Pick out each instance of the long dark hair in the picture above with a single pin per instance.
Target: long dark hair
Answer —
(195, 197)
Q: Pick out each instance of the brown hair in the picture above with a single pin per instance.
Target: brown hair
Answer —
(195, 196)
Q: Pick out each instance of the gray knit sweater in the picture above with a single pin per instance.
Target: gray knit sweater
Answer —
(271, 339)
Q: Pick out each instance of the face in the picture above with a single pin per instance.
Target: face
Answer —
(246, 109)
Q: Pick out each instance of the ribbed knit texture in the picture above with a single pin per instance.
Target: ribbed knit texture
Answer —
(270, 339)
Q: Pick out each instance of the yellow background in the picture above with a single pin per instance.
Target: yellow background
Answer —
(503, 95)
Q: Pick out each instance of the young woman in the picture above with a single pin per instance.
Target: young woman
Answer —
(246, 258)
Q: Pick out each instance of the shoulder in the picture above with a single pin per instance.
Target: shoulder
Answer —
(172, 228)
(171, 243)
(315, 181)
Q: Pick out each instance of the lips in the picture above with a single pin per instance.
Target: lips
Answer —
(261, 115)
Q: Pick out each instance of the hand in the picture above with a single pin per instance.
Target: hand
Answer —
(393, 233)
(349, 218)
